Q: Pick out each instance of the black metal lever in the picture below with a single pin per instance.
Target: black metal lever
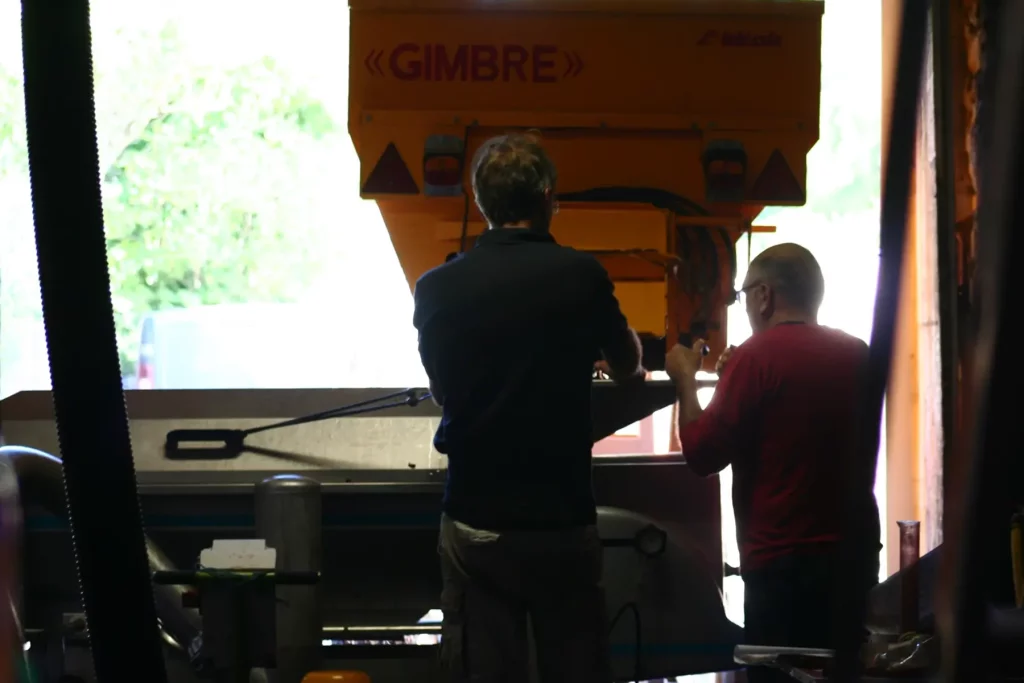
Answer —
(226, 444)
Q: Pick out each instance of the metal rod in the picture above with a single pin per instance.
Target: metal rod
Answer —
(92, 423)
(860, 533)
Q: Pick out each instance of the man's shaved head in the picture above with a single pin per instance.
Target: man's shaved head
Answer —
(794, 276)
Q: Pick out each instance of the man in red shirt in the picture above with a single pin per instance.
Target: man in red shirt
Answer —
(783, 415)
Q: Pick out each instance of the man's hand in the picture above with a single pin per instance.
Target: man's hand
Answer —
(682, 362)
(604, 371)
(723, 359)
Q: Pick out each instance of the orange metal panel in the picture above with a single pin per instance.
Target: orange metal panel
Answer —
(762, 64)
(624, 94)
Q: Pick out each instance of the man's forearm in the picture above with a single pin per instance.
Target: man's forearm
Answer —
(689, 406)
(436, 396)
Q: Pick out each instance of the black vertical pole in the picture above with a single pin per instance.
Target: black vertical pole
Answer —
(859, 533)
(92, 423)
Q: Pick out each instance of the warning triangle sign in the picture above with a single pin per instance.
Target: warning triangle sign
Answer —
(390, 175)
(777, 184)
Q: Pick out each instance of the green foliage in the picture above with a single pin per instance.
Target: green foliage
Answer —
(19, 293)
(843, 172)
(203, 167)
(13, 154)
(198, 206)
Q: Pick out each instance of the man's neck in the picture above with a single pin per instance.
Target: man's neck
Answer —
(791, 318)
(522, 225)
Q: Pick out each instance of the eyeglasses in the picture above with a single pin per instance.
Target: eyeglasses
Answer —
(739, 294)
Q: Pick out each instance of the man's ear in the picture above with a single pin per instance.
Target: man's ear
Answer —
(767, 300)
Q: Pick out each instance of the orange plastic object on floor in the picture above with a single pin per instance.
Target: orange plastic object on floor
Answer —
(336, 677)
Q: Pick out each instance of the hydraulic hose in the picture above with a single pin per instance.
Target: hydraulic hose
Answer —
(92, 422)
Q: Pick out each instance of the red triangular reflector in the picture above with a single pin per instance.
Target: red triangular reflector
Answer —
(390, 175)
(777, 184)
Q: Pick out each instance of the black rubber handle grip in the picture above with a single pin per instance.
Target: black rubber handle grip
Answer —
(203, 444)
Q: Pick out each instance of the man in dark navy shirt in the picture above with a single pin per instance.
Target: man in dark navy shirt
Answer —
(509, 334)
(783, 415)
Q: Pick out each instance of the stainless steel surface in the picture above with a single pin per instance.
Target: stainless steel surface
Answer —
(649, 460)
(396, 439)
(352, 443)
(614, 407)
(289, 517)
(743, 653)
(773, 658)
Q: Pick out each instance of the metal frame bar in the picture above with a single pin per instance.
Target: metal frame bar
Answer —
(205, 481)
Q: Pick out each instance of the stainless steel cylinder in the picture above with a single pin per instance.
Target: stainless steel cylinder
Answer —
(288, 516)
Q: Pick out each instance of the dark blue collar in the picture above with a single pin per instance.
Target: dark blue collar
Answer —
(506, 236)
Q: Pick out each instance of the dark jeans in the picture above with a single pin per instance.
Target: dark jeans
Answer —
(495, 582)
(790, 603)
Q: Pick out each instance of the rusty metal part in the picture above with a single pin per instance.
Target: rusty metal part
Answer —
(976, 533)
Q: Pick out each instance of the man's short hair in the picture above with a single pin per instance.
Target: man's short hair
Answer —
(794, 274)
(512, 177)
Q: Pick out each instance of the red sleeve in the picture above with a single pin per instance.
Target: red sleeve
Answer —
(712, 441)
